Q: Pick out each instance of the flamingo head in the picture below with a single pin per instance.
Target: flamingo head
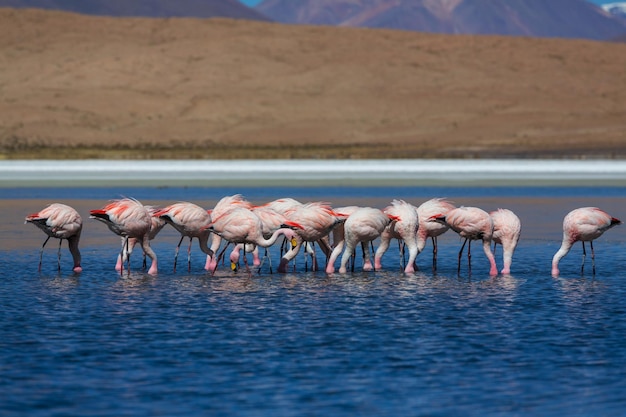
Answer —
(439, 218)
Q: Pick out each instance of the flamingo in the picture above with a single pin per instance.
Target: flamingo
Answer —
(61, 222)
(270, 220)
(583, 224)
(129, 218)
(363, 225)
(157, 225)
(506, 232)
(338, 239)
(190, 220)
(282, 206)
(404, 227)
(317, 220)
(432, 229)
(242, 225)
(471, 223)
(223, 206)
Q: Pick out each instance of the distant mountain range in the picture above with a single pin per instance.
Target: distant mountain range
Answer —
(553, 18)
(535, 18)
(616, 9)
(145, 8)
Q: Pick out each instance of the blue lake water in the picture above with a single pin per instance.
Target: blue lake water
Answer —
(306, 343)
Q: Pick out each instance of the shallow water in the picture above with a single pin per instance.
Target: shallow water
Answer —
(305, 343)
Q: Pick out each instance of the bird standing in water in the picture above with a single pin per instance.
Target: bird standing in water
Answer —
(62, 222)
(130, 219)
(404, 227)
(432, 229)
(157, 225)
(364, 225)
(242, 225)
(506, 232)
(583, 224)
(471, 223)
(189, 220)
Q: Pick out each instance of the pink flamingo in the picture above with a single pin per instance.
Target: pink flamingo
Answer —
(61, 222)
(338, 239)
(363, 225)
(223, 206)
(242, 225)
(271, 221)
(129, 218)
(583, 224)
(405, 227)
(282, 206)
(190, 220)
(471, 223)
(157, 225)
(317, 221)
(432, 229)
(506, 232)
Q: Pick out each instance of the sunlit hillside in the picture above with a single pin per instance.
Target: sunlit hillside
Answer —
(73, 85)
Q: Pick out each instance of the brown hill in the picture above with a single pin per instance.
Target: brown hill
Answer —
(80, 86)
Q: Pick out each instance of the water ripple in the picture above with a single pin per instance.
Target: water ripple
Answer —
(304, 343)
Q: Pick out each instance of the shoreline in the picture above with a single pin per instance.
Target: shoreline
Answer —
(367, 172)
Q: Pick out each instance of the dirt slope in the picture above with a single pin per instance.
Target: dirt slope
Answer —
(80, 86)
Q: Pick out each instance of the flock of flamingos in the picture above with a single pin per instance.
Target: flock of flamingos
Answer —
(235, 220)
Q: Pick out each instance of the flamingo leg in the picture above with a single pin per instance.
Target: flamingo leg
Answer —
(125, 248)
(59, 256)
(245, 259)
(582, 266)
(189, 255)
(461, 254)
(306, 259)
(128, 256)
(353, 260)
(350, 260)
(221, 256)
(366, 256)
(593, 257)
(176, 252)
(283, 246)
(265, 256)
(314, 257)
(434, 239)
(41, 252)
(469, 257)
(402, 254)
(145, 261)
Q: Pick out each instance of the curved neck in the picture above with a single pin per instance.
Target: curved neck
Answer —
(264, 243)
(73, 245)
(563, 250)
(203, 241)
